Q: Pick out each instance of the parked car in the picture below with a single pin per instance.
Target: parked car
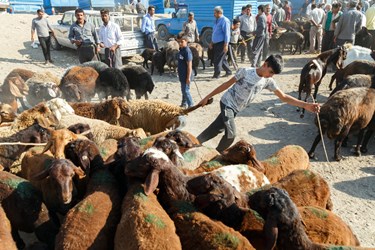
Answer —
(129, 24)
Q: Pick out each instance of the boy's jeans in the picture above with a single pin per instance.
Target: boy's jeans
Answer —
(224, 122)
(187, 100)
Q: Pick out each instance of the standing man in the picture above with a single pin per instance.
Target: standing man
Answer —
(303, 9)
(42, 27)
(110, 38)
(247, 28)
(260, 35)
(141, 9)
(190, 29)
(220, 41)
(266, 47)
(349, 24)
(243, 88)
(316, 30)
(329, 25)
(148, 28)
(83, 35)
(288, 11)
(370, 23)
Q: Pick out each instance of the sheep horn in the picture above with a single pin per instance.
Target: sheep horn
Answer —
(79, 172)
(118, 113)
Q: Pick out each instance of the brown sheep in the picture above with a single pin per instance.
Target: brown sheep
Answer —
(14, 86)
(346, 111)
(109, 111)
(144, 223)
(6, 239)
(200, 51)
(91, 224)
(184, 139)
(25, 210)
(79, 84)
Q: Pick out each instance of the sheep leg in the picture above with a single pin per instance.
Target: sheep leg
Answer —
(152, 68)
(333, 78)
(357, 151)
(203, 64)
(338, 143)
(366, 140)
(313, 147)
(17, 238)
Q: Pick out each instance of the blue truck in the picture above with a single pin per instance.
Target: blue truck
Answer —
(203, 15)
(96, 4)
(59, 6)
(25, 6)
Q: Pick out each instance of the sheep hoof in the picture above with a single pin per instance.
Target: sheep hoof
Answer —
(312, 156)
(338, 158)
(297, 109)
(363, 150)
(301, 116)
(357, 153)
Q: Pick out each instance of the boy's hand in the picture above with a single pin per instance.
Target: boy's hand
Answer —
(187, 81)
(313, 107)
(205, 101)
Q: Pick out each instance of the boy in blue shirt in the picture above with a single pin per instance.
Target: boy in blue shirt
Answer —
(185, 65)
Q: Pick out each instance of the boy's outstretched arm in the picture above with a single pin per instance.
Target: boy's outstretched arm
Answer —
(218, 90)
(312, 107)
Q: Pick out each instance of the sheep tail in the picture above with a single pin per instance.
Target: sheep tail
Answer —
(191, 109)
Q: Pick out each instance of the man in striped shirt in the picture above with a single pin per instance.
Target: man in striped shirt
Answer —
(110, 38)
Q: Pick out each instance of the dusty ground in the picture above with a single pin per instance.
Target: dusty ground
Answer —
(268, 124)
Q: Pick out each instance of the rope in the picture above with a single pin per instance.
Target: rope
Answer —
(21, 143)
(199, 93)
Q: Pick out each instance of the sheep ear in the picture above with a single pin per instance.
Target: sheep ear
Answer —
(14, 88)
(79, 172)
(152, 182)
(43, 122)
(271, 232)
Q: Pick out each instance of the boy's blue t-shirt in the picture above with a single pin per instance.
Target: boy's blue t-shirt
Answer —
(184, 56)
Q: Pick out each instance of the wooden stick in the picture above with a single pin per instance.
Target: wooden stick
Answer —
(22, 143)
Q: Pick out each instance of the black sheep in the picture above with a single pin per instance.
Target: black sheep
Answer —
(147, 56)
(139, 80)
(112, 82)
(158, 60)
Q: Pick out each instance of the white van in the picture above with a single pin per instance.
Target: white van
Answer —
(130, 25)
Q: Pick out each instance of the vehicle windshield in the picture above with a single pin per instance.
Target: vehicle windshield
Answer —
(127, 23)
(182, 13)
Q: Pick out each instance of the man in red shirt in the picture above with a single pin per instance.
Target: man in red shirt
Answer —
(288, 11)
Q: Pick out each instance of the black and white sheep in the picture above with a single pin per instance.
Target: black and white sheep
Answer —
(112, 82)
(139, 80)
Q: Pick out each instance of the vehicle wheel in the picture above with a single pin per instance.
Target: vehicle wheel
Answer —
(55, 44)
(163, 33)
(206, 37)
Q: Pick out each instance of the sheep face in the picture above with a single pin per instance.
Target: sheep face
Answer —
(37, 134)
(72, 93)
(180, 138)
(7, 113)
(169, 147)
(18, 87)
(128, 148)
(59, 139)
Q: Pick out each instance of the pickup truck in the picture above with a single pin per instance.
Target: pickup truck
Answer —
(129, 24)
(203, 15)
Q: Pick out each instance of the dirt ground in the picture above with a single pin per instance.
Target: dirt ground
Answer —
(268, 124)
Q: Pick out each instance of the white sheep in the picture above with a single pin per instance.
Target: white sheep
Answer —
(355, 52)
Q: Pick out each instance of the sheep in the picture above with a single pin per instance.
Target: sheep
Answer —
(154, 116)
(306, 188)
(97, 65)
(354, 81)
(363, 38)
(200, 54)
(356, 67)
(315, 70)
(112, 82)
(355, 53)
(7, 113)
(108, 111)
(25, 210)
(289, 38)
(10, 153)
(14, 87)
(144, 224)
(54, 178)
(147, 55)
(171, 51)
(101, 130)
(158, 60)
(323, 226)
(91, 224)
(346, 111)
(210, 55)
(6, 239)
(40, 91)
(139, 80)
(195, 62)
(79, 128)
(79, 84)
(59, 107)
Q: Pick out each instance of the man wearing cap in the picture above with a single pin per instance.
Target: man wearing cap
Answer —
(83, 35)
(349, 24)
(190, 29)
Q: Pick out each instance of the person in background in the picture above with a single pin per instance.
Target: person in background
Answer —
(279, 16)
(42, 27)
(370, 23)
(266, 47)
(220, 42)
(288, 11)
(242, 89)
(316, 30)
(260, 34)
(365, 5)
(303, 9)
(148, 28)
(110, 38)
(235, 37)
(83, 35)
(309, 9)
(348, 25)
(247, 28)
(243, 12)
(141, 9)
(359, 7)
(185, 62)
(327, 8)
(329, 26)
(190, 29)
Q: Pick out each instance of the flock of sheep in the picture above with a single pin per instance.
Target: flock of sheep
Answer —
(121, 174)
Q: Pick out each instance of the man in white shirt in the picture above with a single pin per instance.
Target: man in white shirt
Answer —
(247, 28)
(110, 38)
(316, 30)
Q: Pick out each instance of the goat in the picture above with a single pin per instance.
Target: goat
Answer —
(314, 71)
(355, 81)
